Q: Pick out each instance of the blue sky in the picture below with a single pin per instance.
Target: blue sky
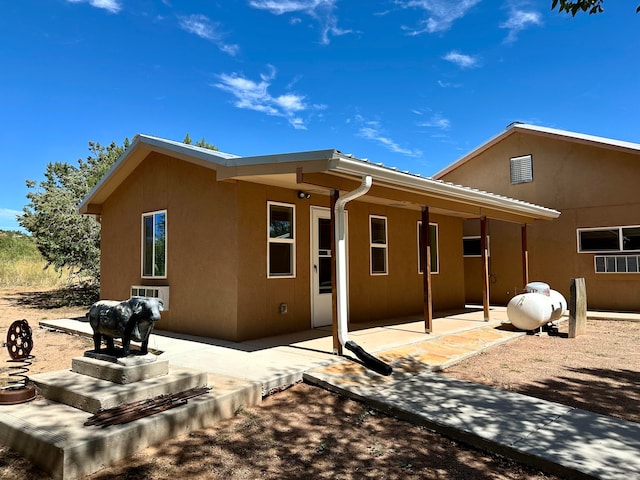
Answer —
(413, 84)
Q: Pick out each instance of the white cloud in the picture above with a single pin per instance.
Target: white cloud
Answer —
(321, 10)
(7, 213)
(520, 20)
(460, 59)
(8, 220)
(112, 6)
(203, 27)
(440, 13)
(253, 95)
(436, 121)
(373, 131)
(448, 84)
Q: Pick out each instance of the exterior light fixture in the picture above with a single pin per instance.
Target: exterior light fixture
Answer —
(302, 194)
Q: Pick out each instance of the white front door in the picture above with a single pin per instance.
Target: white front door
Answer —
(321, 298)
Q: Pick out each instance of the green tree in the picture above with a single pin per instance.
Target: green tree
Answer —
(200, 143)
(63, 236)
(591, 6)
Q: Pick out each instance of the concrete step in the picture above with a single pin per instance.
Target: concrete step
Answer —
(53, 435)
(92, 394)
(124, 370)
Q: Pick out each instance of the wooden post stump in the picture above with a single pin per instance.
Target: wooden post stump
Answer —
(577, 308)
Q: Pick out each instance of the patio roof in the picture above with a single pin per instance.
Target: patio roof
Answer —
(320, 172)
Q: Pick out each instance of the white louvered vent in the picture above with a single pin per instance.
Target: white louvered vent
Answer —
(617, 263)
(522, 169)
(152, 292)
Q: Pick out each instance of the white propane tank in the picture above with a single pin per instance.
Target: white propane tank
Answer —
(537, 287)
(559, 304)
(529, 311)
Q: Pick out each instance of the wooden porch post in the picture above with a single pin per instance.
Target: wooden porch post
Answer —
(525, 257)
(425, 250)
(485, 267)
(337, 346)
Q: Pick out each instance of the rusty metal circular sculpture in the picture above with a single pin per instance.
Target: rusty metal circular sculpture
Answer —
(19, 340)
(19, 344)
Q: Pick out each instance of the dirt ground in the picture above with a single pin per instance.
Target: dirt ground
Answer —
(306, 432)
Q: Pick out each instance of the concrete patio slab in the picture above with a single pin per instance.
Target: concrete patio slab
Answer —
(553, 437)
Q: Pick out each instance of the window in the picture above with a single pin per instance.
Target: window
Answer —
(617, 263)
(378, 243)
(435, 260)
(609, 239)
(281, 244)
(471, 247)
(154, 244)
(521, 169)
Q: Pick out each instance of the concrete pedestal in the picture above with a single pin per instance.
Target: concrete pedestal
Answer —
(123, 371)
(51, 431)
(91, 394)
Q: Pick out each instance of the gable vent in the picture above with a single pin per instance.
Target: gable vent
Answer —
(521, 169)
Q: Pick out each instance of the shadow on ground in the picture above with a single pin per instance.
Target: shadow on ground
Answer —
(331, 437)
(595, 389)
(63, 297)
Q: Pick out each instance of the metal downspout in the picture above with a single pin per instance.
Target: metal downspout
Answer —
(341, 256)
(341, 281)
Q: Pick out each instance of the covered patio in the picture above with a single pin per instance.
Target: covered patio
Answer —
(281, 360)
(345, 179)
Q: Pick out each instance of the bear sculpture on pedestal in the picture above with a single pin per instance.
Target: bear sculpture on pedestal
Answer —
(131, 319)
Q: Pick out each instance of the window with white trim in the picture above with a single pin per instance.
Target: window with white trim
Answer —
(521, 169)
(471, 246)
(435, 258)
(378, 245)
(609, 239)
(281, 245)
(154, 244)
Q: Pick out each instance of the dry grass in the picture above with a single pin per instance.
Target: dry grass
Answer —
(30, 272)
(22, 264)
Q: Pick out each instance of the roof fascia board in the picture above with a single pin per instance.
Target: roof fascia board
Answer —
(142, 146)
(592, 140)
(287, 157)
(583, 138)
(310, 161)
(245, 171)
(445, 190)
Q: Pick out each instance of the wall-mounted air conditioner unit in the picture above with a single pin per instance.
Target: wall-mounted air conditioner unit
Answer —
(153, 292)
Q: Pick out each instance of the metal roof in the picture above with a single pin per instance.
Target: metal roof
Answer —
(319, 161)
(602, 142)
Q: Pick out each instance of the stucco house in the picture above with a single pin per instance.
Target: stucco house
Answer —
(244, 247)
(592, 181)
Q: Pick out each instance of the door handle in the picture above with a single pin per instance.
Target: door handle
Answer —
(315, 268)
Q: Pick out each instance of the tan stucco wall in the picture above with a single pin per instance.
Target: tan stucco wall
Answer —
(260, 297)
(217, 254)
(591, 186)
(400, 293)
(201, 239)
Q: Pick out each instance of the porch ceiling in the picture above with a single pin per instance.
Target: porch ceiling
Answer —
(393, 195)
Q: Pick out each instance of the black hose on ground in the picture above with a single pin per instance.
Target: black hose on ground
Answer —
(369, 361)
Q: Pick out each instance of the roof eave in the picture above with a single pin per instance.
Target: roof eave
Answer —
(444, 190)
(141, 146)
(600, 142)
